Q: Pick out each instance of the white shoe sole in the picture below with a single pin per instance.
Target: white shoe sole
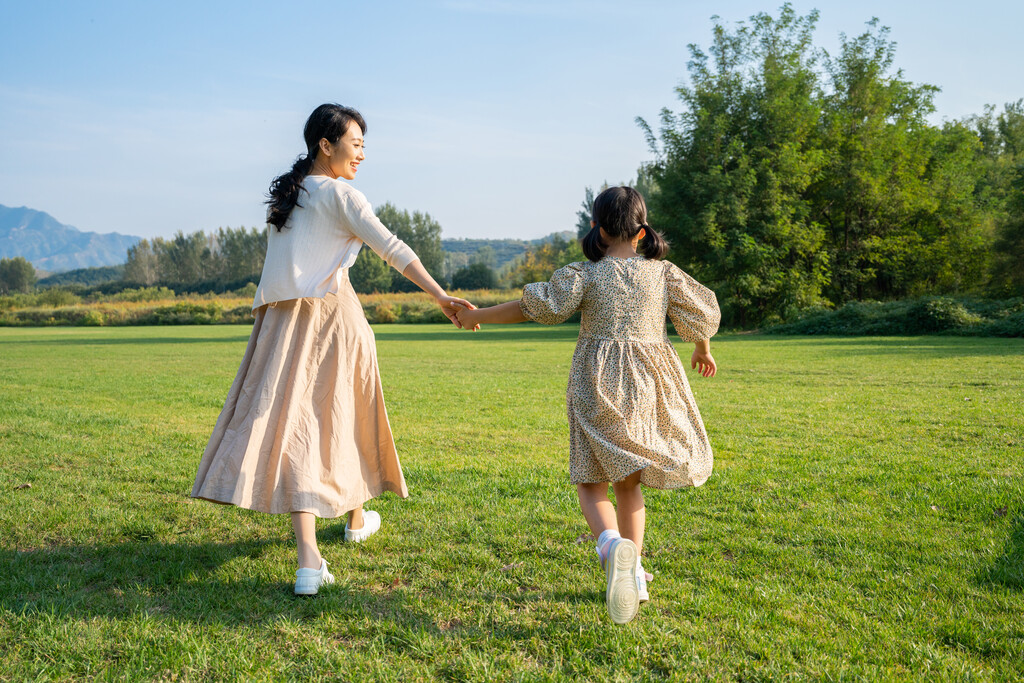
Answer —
(621, 596)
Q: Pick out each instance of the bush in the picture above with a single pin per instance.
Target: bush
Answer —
(181, 314)
(939, 315)
(927, 315)
(57, 296)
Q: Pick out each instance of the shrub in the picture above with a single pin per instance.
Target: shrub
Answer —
(927, 315)
(57, 296)
(939, 315)
(183, 313)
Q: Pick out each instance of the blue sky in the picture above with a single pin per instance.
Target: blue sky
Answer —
(491, 115)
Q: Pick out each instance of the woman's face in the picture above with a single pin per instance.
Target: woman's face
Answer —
(343, 157)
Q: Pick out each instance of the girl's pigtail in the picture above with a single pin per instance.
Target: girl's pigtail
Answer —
(284, 191)
(654, 245)
(593, 247)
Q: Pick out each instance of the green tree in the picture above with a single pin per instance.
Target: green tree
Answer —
(475, 276)
(370, 273)
(186, 259)
(537, 264)
(485, 255)
(879, 194)
(241, 252)
(583, 215)
(16, 275)
(1000, 193)
(423, 235)
(732, 169)
(142, 266)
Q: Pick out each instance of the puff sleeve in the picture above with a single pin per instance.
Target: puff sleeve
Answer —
(550, 303)
(364, 224)
(692, 307)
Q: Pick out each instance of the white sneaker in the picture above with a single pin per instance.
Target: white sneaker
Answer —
(642, 577)
(371, 525)
(621, 595)
(308, 581)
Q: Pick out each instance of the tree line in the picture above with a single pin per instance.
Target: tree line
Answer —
(230, 257)
(794, 178)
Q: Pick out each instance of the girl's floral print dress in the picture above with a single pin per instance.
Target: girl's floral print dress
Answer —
(630, 406)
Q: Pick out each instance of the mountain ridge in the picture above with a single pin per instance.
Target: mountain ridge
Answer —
(52, 246)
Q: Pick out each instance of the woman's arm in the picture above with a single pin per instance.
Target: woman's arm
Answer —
(508, 312)
(419, 275)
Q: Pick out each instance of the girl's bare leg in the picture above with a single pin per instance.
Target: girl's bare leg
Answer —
(629, 509)
(304, 524)
(596, 507)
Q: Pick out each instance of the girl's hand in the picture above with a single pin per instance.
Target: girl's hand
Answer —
(468, 317)
(451, 306)
(705, 362)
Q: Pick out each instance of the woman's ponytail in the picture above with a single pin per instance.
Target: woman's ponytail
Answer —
(285, 189)
(593, 247)
(654, 245)
(327, 122)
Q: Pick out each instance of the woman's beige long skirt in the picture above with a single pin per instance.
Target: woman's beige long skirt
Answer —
(304, 427)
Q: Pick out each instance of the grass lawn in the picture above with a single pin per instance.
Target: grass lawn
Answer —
(865, 519)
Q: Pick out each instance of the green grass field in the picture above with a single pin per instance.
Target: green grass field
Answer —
(865, 519)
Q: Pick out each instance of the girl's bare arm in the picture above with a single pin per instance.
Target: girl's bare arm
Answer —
(508, 312)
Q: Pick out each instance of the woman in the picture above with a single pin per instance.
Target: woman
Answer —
(304, 429)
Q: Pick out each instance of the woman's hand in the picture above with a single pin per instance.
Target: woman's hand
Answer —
(704, 362)
(452, 306)
(468, 317)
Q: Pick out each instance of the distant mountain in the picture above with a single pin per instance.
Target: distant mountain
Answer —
(52, 246)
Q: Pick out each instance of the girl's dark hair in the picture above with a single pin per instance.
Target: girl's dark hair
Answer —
(621, 211)
(327, 121)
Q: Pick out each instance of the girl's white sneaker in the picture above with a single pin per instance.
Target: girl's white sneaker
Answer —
(642, 577)
(621, 595)
(371, 525)
(308, 581)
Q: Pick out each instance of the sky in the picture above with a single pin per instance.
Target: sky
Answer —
(493, 116)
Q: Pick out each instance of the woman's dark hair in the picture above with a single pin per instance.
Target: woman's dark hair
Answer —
(327, 121)
(621, 211)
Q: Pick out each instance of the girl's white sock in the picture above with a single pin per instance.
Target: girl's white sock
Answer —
(606, 537)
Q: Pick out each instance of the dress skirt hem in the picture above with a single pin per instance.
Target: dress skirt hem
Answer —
(304, 427)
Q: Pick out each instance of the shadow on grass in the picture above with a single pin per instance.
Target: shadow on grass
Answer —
(180, 583)
(1008, 569)
(185, 583)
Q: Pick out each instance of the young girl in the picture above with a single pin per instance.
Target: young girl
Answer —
(304, 429)
(632, 416)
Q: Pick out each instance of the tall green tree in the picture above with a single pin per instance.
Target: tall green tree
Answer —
(897, 193)
(240, 252)
(186, 259)
(583, 214)
(16, 275)
(1001, 192)
(142, 266)
(423, 235)
(733, 168)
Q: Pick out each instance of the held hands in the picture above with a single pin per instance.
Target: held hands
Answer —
(468, 317)
(704, 362)
(452, 306)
